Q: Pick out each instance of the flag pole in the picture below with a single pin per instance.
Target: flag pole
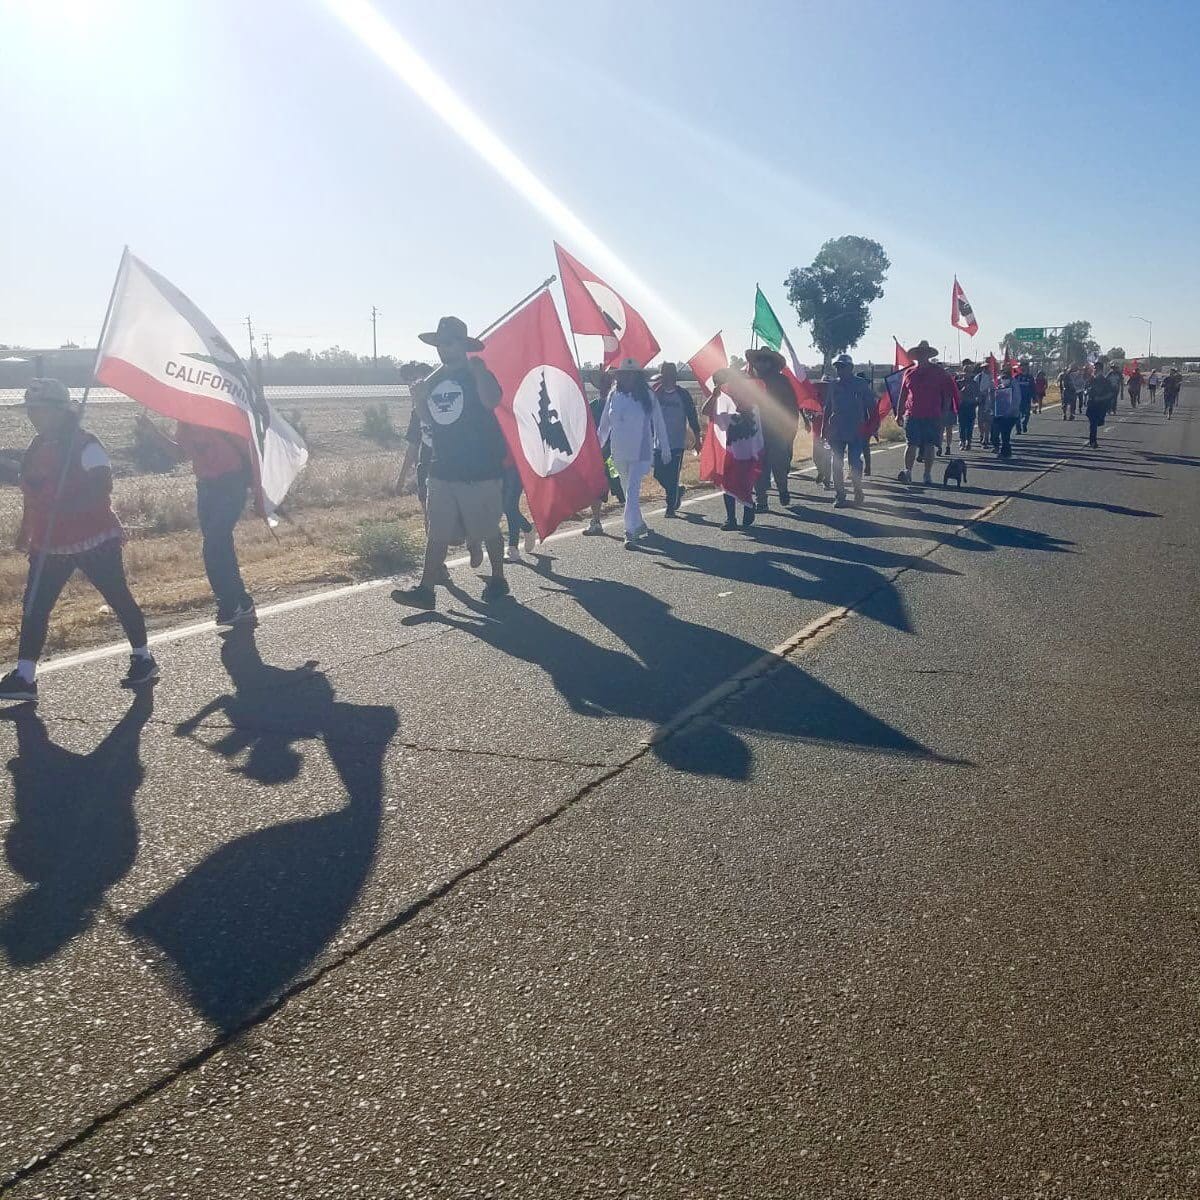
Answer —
(35, 575)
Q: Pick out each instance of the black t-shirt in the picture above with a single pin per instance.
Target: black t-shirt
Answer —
(466, 442)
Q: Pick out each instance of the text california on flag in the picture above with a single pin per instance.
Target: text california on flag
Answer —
(544, 416)
(162, 351)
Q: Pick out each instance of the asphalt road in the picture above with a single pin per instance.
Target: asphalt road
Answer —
(855, 856)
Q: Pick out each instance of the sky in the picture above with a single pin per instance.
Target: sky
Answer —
(299, 161)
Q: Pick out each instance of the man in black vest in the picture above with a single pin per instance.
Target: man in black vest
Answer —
(457, 405)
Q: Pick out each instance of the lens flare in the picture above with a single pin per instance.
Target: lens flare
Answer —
(375, 32)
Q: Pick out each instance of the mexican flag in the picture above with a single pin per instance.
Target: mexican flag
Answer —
(732, 454)
(162, 351)
(770, 332)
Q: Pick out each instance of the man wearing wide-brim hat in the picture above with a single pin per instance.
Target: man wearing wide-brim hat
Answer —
(464, 500)
(927, 394)
(780, 422)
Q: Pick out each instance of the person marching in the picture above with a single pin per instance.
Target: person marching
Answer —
(679, 414)
(1100, 393)
(1171, 387)
(68, 525)
(1066, 389)
(1152, 383)
(968, 404)
(1135, 386)
(224, 474)
(1118, 386)
(987, 404)
(780, 423)
(1041, 385)
(464, 496)
(1023, 382)
(633, 420)
(849, 408)
(1007, 412)
(926, 394)
(594, 527)
(733, 383)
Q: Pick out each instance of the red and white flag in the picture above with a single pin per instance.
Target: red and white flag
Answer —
(543, 414)
(162, 351)
(1130, 368)
(707, 361)
(593, 308)
(962, 315)
(732, 454)
(903, 358)
(807, 397)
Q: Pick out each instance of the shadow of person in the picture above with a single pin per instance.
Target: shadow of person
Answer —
(255, 914)
(75, 832)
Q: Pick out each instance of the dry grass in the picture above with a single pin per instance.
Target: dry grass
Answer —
(345, 525)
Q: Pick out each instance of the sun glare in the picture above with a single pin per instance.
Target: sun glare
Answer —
(380, 36)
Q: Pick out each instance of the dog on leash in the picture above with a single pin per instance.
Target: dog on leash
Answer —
(956, 469)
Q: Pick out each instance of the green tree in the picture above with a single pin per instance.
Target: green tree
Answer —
(834, 294)
(1075, 342)
(1116, 352)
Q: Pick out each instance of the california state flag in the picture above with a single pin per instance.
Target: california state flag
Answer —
(544, 415)
(732, 454)
(162, 351)
(593, 308)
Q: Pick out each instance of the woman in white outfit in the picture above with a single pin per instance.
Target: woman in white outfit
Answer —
(633, 423)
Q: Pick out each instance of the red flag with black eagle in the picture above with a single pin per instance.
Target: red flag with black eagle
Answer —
(543, 414)
(962, 315)
(594, 309)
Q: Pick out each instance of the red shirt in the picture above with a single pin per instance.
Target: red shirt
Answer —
(212, 452)
(927, 391)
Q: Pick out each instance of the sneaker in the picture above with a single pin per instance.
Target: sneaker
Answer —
(475, 550)
(904, 477)
(17, 688)
(840, 501)
(747, 517)
(142, 669)
(416, 597)
(496, 589)
(729, 525)
(630, 541)
(594, 528)
(512, 554)
(643, 530)
(244, 614)
(531, 539)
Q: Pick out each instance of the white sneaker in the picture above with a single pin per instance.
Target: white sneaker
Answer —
(531, 539)
(512, 554)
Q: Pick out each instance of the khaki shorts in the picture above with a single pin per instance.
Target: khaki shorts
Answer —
(463, 512)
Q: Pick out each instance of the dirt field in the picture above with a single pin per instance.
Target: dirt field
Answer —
(347, 523)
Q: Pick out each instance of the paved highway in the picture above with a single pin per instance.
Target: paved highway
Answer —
(852, 857)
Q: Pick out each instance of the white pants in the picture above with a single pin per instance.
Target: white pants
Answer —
(632, 474)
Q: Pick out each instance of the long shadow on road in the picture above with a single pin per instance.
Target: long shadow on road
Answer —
(250, 918)
(75, 834)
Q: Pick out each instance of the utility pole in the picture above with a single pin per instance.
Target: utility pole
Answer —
(267, 345)
(250, 335)
(374, 337)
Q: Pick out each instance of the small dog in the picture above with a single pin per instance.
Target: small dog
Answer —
(823, 461)
(956, 469)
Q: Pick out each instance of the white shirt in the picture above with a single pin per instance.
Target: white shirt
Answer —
(632, 429)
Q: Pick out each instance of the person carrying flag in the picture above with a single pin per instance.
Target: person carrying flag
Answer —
(780, 423)
(464, 498)
(736, 421)
(927, 393)
(224, 475)
(68, 525)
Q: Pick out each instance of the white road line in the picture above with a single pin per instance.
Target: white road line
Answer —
(167, 636)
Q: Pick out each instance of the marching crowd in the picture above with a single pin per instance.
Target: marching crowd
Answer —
(466, 479)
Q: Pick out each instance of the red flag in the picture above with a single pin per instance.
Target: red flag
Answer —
(995, 373)
(1130, 368)
(732, 454)
(544, 416)
(805, 392)
(594, 308)
(903, 358)
(707, 361)
(962, 315)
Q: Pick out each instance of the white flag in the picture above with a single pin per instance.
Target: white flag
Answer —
(162, 351)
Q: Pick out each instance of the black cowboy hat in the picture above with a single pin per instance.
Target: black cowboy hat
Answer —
(923, 347)
(767, 357)
(451, 329)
